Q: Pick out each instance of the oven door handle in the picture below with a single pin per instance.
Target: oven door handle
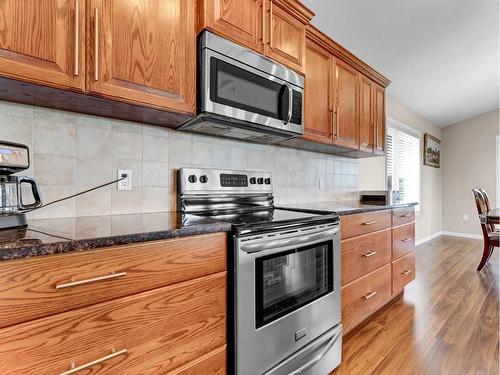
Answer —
(319, 356)
(300, 240)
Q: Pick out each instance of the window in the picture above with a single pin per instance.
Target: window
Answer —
(403, 161)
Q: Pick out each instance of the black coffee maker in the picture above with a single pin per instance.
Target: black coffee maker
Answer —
(14, 158)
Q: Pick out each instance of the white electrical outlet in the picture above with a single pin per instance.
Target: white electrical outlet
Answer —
(466, 217)
(125, 184)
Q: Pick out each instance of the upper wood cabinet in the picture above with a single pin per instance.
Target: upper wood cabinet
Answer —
(239, 20)
(43, 42)
(379, 119)
(143, 52)
(345, 132)
(276, 28)
(318, 106)
(366, 116)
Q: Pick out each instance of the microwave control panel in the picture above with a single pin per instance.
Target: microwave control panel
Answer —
(296, 108)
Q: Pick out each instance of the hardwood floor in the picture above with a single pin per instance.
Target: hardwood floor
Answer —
(446, 323)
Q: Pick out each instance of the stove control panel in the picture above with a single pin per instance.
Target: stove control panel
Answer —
(217, 180)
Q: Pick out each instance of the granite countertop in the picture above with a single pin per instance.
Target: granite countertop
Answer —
(55, 236)
(348, 207)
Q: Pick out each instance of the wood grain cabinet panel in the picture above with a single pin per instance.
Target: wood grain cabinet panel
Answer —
(239, 20)
(366, 115)
(403, 240)
(363, 223)
(318, 120)
(285, 32)
(403, 272)
(364, 296)
(403, 215)
(379, 115)
(347, 94)
(145, 52)
(363, 254)
(160, 330)
(34, 288)
(43, 42)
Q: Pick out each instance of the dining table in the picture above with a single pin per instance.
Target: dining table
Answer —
(491, 217)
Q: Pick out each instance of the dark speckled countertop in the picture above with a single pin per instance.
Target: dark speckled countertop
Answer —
(54, 236)
(348, 207)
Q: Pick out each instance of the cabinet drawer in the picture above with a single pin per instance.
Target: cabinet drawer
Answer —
(214, 363)
(403, 240)
(364, 296)
(42, 286)
(363, 254)
(358, 224)
(151, 332)
(402, 216)
(403, 272)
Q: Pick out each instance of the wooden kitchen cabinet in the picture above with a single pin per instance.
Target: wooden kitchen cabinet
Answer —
(239, 20)
(366, 115)
(345, 132)
(143, 52)
(43, 42)
(318, 105)
(379, 119)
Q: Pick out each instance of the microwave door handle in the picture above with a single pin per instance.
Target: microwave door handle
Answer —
(285, 114)
(290, 103)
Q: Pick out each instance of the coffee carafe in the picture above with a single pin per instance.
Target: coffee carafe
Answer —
(15, 158)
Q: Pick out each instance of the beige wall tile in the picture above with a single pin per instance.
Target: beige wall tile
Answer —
(126, 145)
(17, 129)
(62, 209)
(155, 174)
(54, 170)
(126, 202)
(155, 199)
(94, 142)
(54, 132)
(97, 202)
(155, 148)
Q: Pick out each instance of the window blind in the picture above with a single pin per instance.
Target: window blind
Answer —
(403, 162)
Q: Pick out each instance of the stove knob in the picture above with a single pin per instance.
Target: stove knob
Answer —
(253, 180)
(260, 181)
(267, 181)
(192, 178)
(203, 179)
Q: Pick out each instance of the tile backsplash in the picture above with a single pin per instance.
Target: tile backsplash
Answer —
(72, 152)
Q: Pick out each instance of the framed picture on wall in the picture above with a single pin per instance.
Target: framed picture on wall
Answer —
(432, 151)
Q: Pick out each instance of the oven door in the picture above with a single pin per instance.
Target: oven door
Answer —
(287, 294)
(236, 90)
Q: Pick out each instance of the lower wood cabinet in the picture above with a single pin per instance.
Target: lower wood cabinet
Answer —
(403, 272)
(178, 328)
(403, 240)
(364, 296)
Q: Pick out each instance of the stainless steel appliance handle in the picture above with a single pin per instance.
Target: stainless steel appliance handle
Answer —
(318, 357)
(299, 240)
(290, 103)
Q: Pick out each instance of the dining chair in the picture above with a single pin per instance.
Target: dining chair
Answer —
(490, 238)
(488, 207)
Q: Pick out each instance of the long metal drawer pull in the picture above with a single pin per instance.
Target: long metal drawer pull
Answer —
(406, 239)
(369, 222)
(95, 362)
(112, 275)
(407, 272)
(405, 215)
(261, 246)
(96, 44)
(317, 358)
(371, 253)
(77, 38)
(370, 295)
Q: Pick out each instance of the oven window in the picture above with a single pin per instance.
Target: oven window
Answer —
(287, 281)
(238, 88)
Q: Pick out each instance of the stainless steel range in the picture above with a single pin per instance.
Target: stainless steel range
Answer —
(284, 274)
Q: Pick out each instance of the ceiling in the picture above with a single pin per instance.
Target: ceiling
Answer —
(442, 56)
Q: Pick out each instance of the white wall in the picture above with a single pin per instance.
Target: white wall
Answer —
(372, 172)
(72, 152)
(468, 161)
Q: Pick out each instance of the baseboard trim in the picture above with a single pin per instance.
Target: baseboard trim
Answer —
(427, 238)
(464, 235)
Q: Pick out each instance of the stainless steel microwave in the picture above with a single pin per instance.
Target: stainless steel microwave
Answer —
(244, 95)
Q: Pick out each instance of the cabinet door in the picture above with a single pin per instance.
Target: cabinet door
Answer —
(143, 52)
(286, 39)
(239, 20)
(42, 42)
(366, 116)
(346, 126)
(379, 104)
(318, 94)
